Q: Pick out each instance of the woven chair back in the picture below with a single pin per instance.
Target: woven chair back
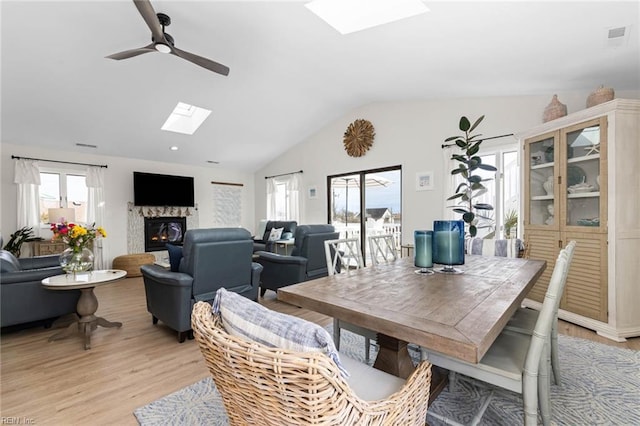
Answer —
(274, 386)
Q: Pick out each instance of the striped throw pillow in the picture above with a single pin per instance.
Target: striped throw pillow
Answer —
(245, 318)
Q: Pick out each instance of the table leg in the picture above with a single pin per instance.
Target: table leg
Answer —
(72, 328)
(88, 321)
(393, 358)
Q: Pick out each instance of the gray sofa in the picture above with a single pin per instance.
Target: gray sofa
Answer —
(22, 297)
(263, 244)
(212, 258)
(307, 260)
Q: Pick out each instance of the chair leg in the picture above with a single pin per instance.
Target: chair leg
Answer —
(367, 347)
(336, 333)
(262, 291)
(452, 381)
(544, 386)
(555, 359)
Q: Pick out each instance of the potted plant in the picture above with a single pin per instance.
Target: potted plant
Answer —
(471, 187)
(17, 239)
(510, 222)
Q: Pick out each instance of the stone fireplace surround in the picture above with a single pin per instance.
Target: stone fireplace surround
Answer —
(135, 225)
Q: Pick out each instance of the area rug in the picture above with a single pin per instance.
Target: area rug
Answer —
(600, 386)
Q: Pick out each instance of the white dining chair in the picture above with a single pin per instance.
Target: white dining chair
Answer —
(515, 361)
(344, 256)
(524, 319)
(382, 247)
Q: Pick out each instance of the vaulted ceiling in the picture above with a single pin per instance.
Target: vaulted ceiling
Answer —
(291, 73)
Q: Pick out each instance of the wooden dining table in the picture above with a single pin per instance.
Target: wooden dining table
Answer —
(456, 314)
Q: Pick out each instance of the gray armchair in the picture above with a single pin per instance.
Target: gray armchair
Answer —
(307, 260)
(22, 297)
(212, 258)
(263, 244)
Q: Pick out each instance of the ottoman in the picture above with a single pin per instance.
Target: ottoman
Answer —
(132, 263)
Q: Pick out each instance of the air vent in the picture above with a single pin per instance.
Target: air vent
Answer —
(617, 37)
(617, 32)
(86, 145)
(213, 162)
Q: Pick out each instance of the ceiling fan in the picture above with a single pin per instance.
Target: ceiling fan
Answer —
(163, 42)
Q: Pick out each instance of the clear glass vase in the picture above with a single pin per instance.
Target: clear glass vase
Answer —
(79, 260)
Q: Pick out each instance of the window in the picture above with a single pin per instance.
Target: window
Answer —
(63, 189)
(282, 207)
(283, 197)
(366, 203)
(502, 193)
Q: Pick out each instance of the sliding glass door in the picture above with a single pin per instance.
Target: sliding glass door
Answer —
(366, 203)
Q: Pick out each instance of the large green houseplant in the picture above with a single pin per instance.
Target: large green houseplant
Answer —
(471, 187)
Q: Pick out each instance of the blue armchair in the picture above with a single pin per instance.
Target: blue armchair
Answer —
(307, 260)
(22, 297)
(212, 258)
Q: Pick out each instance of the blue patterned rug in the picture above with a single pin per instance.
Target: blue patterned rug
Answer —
(601, 386)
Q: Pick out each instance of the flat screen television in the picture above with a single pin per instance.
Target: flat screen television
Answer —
(150, 189)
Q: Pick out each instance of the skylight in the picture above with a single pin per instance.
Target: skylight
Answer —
(348, 16)
(185, 119)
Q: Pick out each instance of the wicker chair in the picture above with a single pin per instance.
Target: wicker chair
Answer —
(272, 386)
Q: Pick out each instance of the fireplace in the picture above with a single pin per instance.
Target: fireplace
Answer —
(158, 231)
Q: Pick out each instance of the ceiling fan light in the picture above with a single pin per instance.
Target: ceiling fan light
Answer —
(162, 48)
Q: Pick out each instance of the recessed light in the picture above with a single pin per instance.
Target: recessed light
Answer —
(174, 148)
(348, 16)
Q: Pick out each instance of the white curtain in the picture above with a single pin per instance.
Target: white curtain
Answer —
(27, 177)
(271, 198)
(96, 212)
(293, 197)
(449, 181)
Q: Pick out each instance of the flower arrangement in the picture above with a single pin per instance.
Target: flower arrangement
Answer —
(76, 236)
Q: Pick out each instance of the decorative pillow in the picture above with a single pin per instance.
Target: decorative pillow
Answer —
(175, 255)
(245, 318)
(286, 236)
(275, 234)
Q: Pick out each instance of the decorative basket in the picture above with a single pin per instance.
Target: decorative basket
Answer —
(600, 95)
(555, 109)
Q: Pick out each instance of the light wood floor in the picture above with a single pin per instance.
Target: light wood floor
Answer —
(59, 383)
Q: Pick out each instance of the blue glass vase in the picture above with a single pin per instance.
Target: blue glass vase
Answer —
(423, 245)
(448, 245)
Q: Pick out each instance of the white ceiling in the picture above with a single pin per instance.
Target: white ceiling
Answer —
(291, 73)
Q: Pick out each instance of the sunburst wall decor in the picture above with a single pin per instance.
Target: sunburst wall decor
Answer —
(358, 137)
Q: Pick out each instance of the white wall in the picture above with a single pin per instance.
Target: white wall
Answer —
(409, 134)
(119, 189)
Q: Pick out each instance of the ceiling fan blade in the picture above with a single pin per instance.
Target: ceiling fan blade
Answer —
(133, 52)
(150, 17)
(199, 60)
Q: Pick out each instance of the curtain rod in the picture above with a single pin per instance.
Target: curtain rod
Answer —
(444, 145)
(15, 157)
(283, 174)
(227, 183)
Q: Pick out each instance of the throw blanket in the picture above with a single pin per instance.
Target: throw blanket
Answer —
(491, 247)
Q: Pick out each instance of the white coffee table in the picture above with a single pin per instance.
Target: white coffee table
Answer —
(87, 303)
